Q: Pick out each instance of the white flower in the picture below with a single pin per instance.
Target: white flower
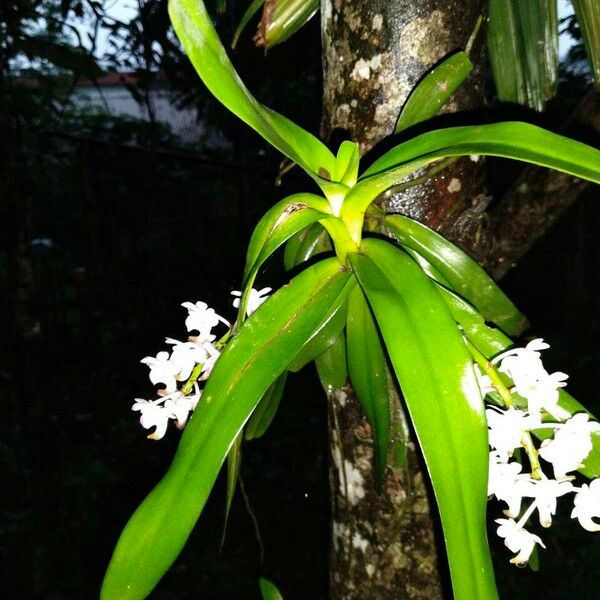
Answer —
(587, 506)
(541, 391)
(162, 371)
(545, 492)
(485, 383)
(571, 444)
(531, 352)
(518, 540)
(506, 427)
(201, 318)
(255, 299)
(185, 356)
(153, 415)
(212, 355)
(531, 380)
(506, 482)
(180, 406)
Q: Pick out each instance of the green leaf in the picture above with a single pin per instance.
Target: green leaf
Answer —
(588, 17)
(347, 162)
(283, 19)
(250, 363)
(234, 461)
(268, 590)
(399, 429)
(519, 141)
(305, 244)
(246, 18)
(511, 139)
(326, 334)
(282, 221)
(523, 49)
(436, 88)
(368, 375)
(265, 412)
(438, 383)
(203, 47)
(332, 367)
(488, 340)
(462, 273)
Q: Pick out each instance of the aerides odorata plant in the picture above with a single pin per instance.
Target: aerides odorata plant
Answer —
(386, 286)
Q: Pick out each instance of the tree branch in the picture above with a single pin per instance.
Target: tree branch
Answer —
(501, 236)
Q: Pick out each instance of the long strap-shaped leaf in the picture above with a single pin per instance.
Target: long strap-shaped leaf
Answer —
(463, 274)
(327, 332)
(265, 412)
(368, 375)
(438, 383)
(511, 139)
(265, 345)
(203, 47)
(519, 141)
(234, 463)
(332, 367)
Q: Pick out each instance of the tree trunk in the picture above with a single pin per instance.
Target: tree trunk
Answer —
(383, 545)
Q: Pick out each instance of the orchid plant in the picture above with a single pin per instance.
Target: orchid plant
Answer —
(386, 302)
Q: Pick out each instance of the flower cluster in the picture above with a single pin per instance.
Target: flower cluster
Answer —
(176, 374)
(530, 405)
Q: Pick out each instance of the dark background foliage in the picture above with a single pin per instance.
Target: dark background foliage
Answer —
(124, 225)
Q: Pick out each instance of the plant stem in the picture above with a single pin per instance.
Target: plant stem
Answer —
(491, 372)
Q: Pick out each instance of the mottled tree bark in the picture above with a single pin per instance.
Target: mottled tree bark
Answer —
(374, 53)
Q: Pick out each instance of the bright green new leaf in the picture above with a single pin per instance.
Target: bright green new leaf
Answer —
(281, 222)
(265, 412)
(331, 365)
(203, 47)
(436, 88)
(250, 363)
(438, 383)
(268, 590)
(462, 273)
(347, 162)
(368, 375)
